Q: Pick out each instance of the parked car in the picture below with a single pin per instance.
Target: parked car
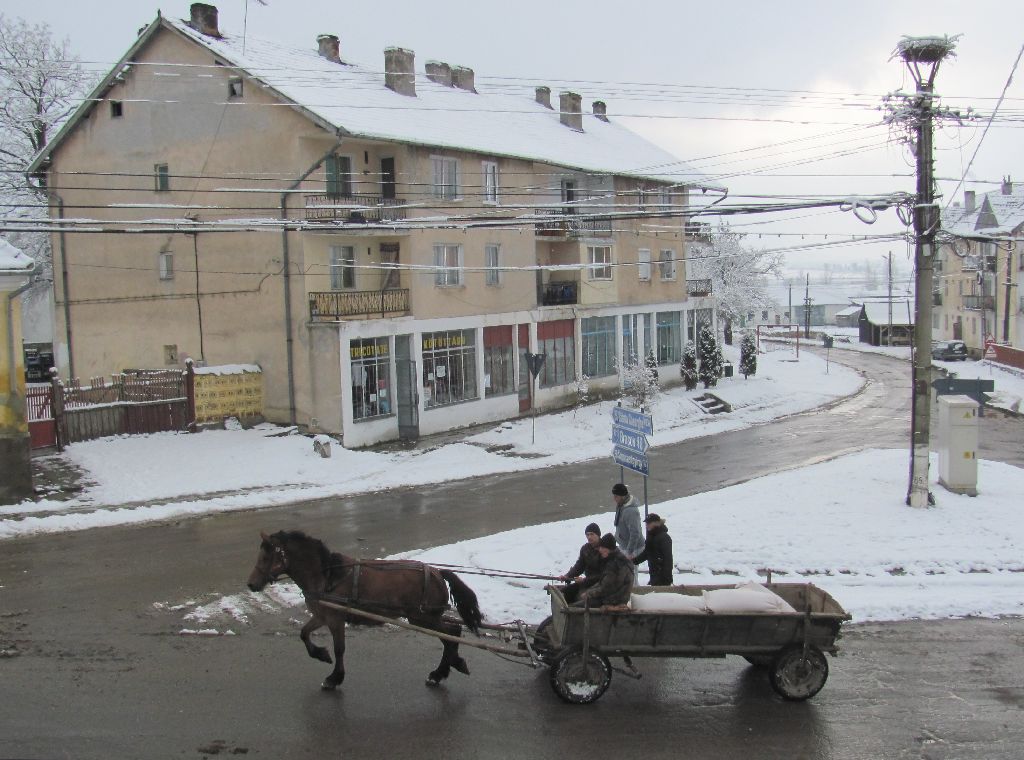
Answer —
(950, 350)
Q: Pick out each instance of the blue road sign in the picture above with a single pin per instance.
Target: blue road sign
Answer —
(631, 460)
(627, 418)
(630, 439)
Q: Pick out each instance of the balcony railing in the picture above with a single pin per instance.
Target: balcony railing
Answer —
(355, 209)
(698, 287)
(560, 293)
(979, 303)
(328, 306)
(559, 224)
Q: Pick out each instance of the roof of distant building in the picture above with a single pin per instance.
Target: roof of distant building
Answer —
(995, 213)
(878, 312)
(13, 260)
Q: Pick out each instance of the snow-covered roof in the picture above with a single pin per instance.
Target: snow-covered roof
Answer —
(13, 260)
(495, 120)
(878, 312)
(836, 293)
(849, 311)
(995, 213)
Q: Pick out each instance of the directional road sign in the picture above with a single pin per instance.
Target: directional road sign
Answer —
(627, 418)
(631, 460)
(630, 439)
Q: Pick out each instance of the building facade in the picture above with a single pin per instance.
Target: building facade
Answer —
(15, 275)
(387, 247)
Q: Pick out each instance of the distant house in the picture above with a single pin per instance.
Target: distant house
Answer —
(849, 317)
(885, 323)
(387, 243)
(16, 480)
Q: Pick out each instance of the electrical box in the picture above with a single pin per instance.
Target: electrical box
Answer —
(958, 444)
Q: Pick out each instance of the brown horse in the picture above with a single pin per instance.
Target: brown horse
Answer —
(395, 589)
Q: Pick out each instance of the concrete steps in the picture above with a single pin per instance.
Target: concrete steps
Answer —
(711, 404)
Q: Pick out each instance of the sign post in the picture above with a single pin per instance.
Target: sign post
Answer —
(534, 362)
(629, 436)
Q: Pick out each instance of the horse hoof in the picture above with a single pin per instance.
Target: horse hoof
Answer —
(432, 682)
(327, 686)
(461, 666)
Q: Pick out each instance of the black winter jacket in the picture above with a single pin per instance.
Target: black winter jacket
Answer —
(589, 563)
(616, 582)
(658, 553)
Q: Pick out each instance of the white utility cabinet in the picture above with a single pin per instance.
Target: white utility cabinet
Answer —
(958, 444)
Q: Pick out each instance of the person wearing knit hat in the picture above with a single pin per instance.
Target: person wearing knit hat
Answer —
(587, 570)
(617, 577)
(657, 552)
(628, 533)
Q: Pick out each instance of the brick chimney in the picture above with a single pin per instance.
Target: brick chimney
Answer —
(330, 47)
(1007, 186)
(570, 110)
(543, 96)
(440, 72)
(400, 71)
(464, 78)
(969, 203)
(204, 19)
(601, 110)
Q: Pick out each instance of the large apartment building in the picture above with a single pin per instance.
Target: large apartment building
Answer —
(387, 243)
(977, 296)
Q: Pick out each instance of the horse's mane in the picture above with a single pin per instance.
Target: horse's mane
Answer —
(289, 536)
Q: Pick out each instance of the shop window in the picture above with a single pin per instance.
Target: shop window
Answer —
(669, 337)
(598, 336)
(371, 377)
(498, 358)
(449, 367)
(555, 341)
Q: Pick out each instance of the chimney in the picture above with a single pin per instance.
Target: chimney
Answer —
(1007, 186)
(968, 201)
(440, 72)
(204, 19)
(570, 113)
(330, 47)
(399, 71)
(601, 110)
(463, 78)
(543, 96)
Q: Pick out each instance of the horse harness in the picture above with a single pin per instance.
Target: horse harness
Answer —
(355, 568)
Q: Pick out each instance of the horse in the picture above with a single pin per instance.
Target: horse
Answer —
(399, 588)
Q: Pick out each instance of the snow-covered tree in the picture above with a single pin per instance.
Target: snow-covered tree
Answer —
(710, 357)
(748, 355)
(41, 84)
(640, 383)
(739, 275)
(688, 366)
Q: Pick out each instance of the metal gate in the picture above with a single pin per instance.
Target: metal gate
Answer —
(406, 383)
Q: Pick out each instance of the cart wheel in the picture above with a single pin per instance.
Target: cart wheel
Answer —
(541, 643)
(580, 682)
(796, 677)
(760, 660)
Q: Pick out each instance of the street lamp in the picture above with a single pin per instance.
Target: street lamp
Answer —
(922, 56)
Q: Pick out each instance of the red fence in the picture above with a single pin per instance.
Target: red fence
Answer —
(42, 428)
(1014, 357)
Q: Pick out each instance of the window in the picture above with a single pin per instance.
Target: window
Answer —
(665, 199)
(670, 337)
(171, 354)
(116, 109)
(446, 177)
(234, 87)
(371, 377)
(641, 196)
(598, 335)
(343, 273)
(448, 260)
(162, 178)
(764, 314)
(490, 181)
(555, 341)
(498, 361)
(449, 367)
(667, 264)
(339, 175)
(568, 194)
(493, 274)
(599, 258)
(166, 266)
(643, 268)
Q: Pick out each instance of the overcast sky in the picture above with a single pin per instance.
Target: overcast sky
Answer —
(703, 80)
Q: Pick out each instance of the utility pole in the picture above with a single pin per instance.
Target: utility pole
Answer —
(922, 56)
(789, 314)
(1009, 292)
(807, 308)
(889, 334)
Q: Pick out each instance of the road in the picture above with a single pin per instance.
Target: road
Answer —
(91, 667)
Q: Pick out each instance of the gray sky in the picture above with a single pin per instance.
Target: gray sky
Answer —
(701, 79)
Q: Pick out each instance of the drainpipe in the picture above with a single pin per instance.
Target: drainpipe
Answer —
(10, 328)
(286, 255)
(64, 280)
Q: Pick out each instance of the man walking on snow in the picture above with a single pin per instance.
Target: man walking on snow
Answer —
(629, 535)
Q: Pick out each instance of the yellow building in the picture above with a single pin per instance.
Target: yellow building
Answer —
(16, 482)
(385, 243)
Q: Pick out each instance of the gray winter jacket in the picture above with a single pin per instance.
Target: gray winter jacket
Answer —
(629, 532)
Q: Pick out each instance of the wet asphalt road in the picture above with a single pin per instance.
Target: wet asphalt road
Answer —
(90, 668)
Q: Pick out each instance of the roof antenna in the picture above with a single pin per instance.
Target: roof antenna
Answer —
(245, 20)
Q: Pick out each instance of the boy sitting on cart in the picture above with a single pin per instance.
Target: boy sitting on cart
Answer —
(616, 581)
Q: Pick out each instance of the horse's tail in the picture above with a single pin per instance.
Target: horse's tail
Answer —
(465, 600)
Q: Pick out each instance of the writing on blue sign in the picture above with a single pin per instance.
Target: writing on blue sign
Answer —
(631, 460)
(630, 439)
(627, 418)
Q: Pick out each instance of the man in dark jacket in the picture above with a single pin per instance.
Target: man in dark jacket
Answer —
(616, 579)
(657, 551)
(588, 565)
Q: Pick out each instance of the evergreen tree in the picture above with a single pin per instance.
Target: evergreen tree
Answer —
(748, 355)
(710, 357)
(640, 381)
(688, 366)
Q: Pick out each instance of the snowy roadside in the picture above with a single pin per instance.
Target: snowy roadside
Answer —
(135, 479)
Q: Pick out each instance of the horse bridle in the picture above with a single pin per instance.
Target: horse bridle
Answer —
(279, 563)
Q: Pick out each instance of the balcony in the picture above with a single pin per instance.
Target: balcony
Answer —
(698, 288)
(698, 231)
(565, 226)
(560, 293)
(979, 303)
(354, 209)
(332, 305)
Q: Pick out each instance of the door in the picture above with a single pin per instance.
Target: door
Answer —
(406, 389)
(524, 370)
(387, 178)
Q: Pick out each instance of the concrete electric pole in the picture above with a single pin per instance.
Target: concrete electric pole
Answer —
(922, 56)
